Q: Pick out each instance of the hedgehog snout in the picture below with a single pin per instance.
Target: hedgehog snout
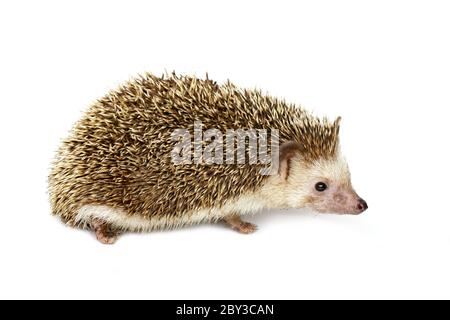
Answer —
(361, 206)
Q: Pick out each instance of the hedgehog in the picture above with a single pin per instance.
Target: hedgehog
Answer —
(116, 173)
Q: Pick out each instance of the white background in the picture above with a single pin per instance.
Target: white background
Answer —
(384, 66)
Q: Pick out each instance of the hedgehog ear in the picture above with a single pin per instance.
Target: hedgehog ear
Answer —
(287, 151)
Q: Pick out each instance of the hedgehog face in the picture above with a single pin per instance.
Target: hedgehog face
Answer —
(330, 189)
(323, 185)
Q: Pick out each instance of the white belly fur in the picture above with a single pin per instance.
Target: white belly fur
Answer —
(119, 219)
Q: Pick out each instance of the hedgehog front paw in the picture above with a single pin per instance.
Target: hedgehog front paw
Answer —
(239, 225)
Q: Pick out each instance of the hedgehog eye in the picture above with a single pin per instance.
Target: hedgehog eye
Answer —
(321, 186)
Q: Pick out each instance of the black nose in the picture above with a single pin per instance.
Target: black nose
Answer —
(362, 205)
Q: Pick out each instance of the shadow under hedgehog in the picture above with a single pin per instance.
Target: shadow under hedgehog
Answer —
(114, 172)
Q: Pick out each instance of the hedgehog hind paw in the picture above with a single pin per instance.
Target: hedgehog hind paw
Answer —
(236, 223)
(105, 237)
(104, 233)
